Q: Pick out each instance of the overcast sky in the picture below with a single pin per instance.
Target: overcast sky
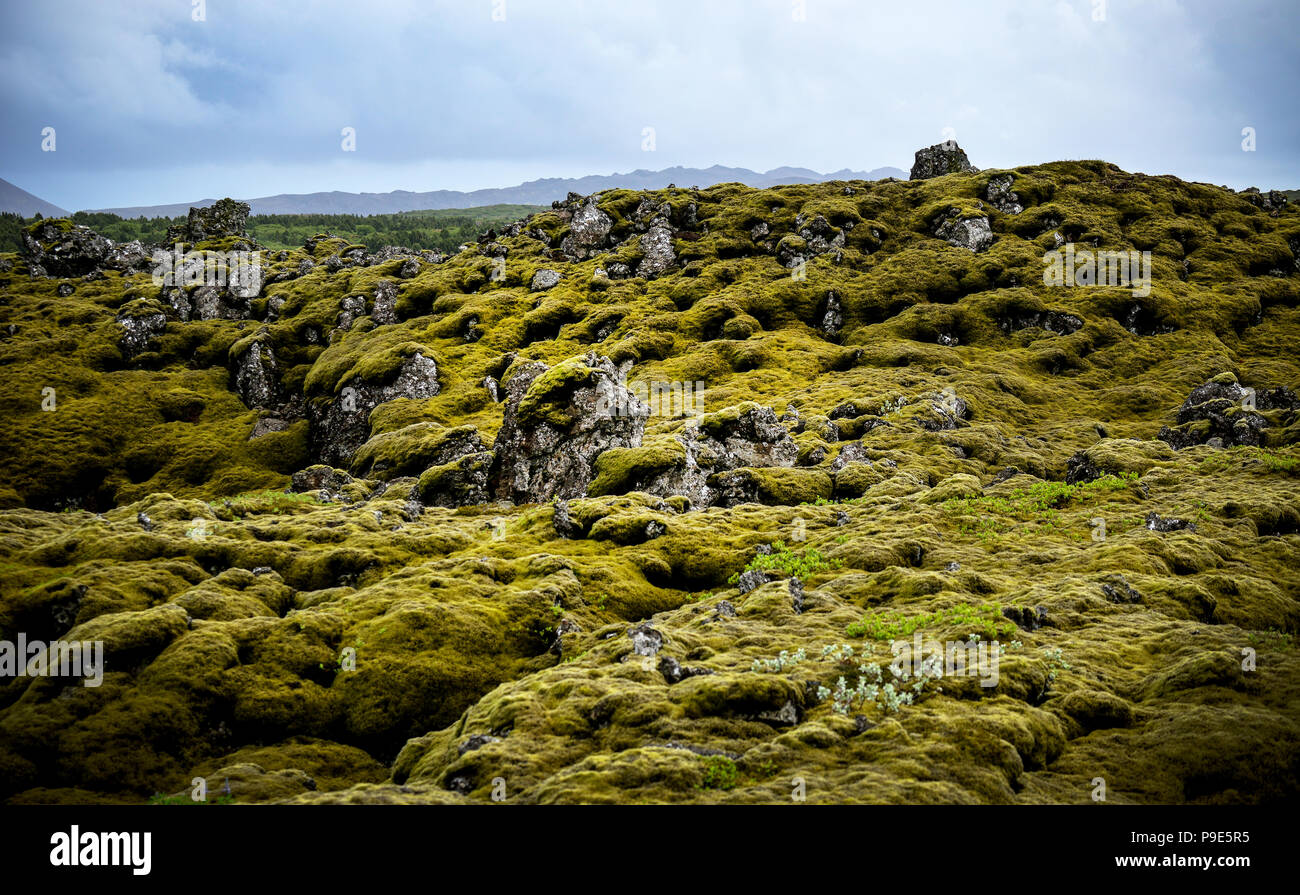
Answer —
(150, 106)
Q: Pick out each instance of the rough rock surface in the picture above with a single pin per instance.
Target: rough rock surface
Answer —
(141, 322)
(1224, 413)
(342, 424)
(544, 279)
(971, 233)
(59, 251)
(999, 194)
(257, 377)
(657, 249)
(556, 423)
(225, 217)
(588, 231)
(940, 159)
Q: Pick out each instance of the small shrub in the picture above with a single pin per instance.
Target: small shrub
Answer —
(720, 772)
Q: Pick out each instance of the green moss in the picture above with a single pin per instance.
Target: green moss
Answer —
(547, 398)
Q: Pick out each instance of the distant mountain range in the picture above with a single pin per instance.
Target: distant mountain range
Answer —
(22, 202)
(534, 192)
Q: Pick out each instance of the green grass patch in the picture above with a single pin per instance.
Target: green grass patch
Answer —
(985, 620)
(796, 564)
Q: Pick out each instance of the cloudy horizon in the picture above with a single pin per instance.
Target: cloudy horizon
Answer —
(154, 107)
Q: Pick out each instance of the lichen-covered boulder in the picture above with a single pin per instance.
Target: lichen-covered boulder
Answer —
(384, 311)
(60, 248)
(940, 159)
(556, 422)
(225, 217)
(142, 321)
(819, 235)
(588, 231)
(970, 232)
(1224, 413)
(342, 424)
(544, 279)
(1000, 195)
(256, 374)
(657, 246)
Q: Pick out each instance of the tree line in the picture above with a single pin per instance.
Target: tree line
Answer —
(443, 229)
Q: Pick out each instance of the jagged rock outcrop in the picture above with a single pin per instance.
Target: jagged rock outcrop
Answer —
(1058, 323)
(588, 231)
(657, 246)
(818, 235)
(59, 248)
(225, 217)
(256, 375)
(832, 316)
(752, 437)
(214, 303)
(746, 436)
(970, 232)
(940, 159)
(1223, 413)
(999, 194)
(141, 320)
(384, 306)
(556, 422)
(342, 424)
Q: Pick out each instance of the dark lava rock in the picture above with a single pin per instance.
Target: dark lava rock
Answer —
(342, 425)
(1118, 590)
(554, 427)
(59, 248)
(1027, 618)
(256, 374)
(141, 321)
(999, 194)
(972, 232)
(1056, 322)
(1156, 522)
(1217, 413)
(225, 217)
(940, 159)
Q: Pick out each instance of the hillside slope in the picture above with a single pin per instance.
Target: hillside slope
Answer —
(400, 526)
(18, 201)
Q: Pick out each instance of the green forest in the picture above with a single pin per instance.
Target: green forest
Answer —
(443, 229)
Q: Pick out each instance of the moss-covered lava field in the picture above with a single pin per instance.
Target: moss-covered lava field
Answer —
(536, 521)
